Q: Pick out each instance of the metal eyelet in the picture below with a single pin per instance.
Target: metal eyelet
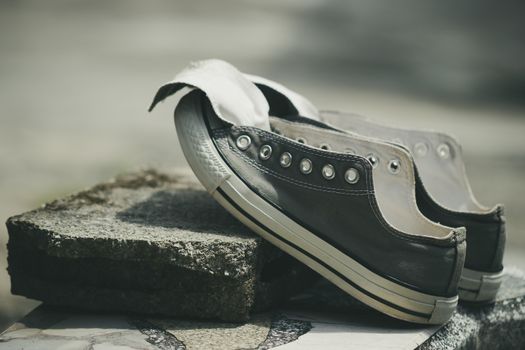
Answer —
(325, 146)
(301, 140)
(265, 152)
(243, 142)
(443, 151)
(328, 171)
(352, 176)
(372, 158)
(421, 149)
(394, 166)
(350, 151)
(305, 166)
(285, 160)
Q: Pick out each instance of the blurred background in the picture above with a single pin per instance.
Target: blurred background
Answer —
(76, 78)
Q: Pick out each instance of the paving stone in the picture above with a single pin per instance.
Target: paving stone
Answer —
(148, 242)
(341, 323)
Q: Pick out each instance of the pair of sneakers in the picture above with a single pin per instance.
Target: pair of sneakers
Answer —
(386, 214)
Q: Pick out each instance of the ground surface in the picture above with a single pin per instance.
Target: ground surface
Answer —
(321, 317)
(77, 78)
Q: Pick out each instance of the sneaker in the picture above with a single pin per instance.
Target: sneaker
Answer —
(443, 192)
(356, 225)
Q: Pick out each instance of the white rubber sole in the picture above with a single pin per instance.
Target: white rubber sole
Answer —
(235, 196)
(478, 286)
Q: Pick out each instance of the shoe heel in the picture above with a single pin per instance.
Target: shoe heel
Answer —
(479, 287)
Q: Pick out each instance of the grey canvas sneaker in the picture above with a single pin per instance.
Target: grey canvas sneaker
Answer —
(443, 191)
(356, 225)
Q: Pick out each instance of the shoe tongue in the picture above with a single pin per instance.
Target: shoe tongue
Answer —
(301, 104)
(233, 97)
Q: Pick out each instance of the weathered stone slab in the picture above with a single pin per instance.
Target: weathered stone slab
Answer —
(148, 242)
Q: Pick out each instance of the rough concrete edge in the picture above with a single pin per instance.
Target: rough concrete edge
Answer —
(461, 332)
(96, 299)
(56, 244)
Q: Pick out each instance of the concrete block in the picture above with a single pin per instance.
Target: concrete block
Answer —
(148, 242)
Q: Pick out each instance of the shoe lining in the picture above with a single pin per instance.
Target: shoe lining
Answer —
(444, 178)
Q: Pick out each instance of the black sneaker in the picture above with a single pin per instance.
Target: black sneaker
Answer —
(442, 188)
(356, 225)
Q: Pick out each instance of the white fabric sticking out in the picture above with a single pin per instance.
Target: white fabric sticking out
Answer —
(304, 107)
(233, 97)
